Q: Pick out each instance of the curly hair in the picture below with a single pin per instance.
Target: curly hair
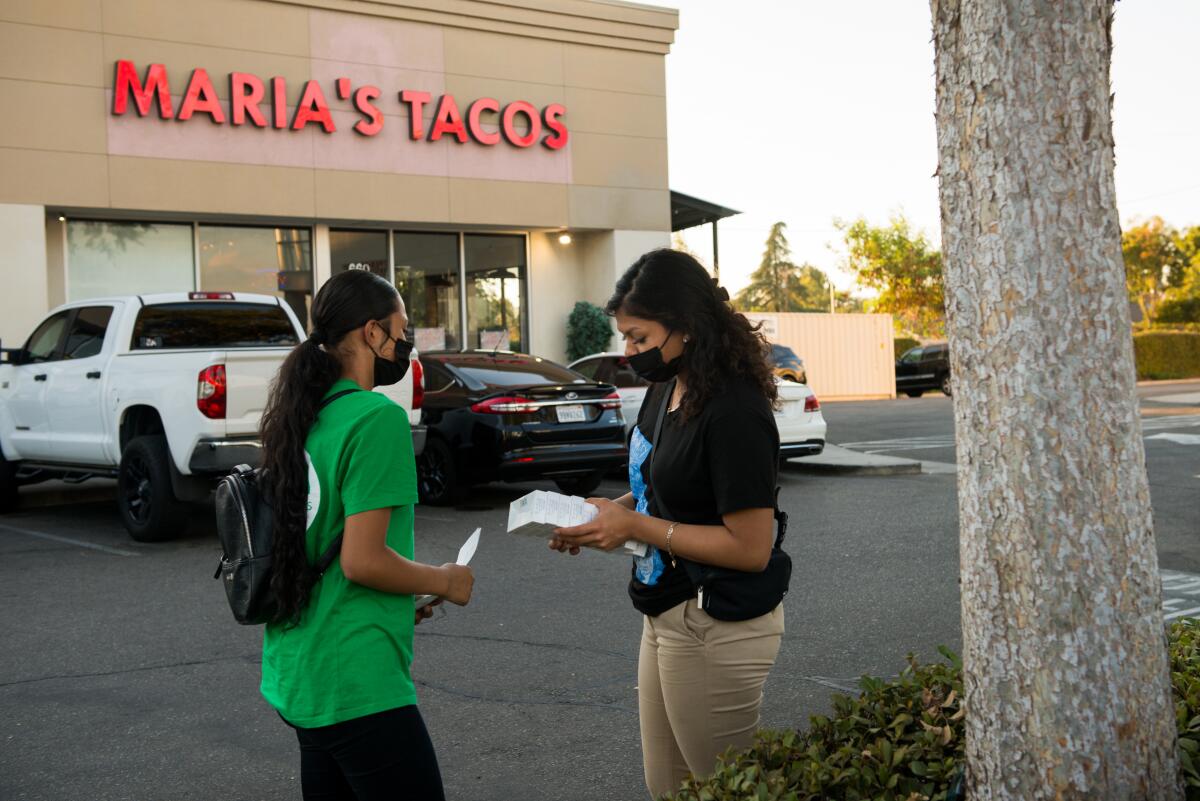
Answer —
(672, 288)
(346, 302)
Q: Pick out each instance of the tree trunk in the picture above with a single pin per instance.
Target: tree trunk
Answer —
(1067, 681)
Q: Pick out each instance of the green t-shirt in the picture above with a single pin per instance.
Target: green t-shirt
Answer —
(349, 655)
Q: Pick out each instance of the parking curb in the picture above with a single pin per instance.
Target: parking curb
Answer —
(836, 460)
(818, 468)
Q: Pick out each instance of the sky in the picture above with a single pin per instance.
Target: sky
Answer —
(807, 111)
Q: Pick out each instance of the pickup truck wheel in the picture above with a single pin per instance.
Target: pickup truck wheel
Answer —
(437, 475)
(148, 506)
(583, 486)
(8, 485)
(946, 386)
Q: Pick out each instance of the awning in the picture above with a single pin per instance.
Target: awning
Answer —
(688, 211)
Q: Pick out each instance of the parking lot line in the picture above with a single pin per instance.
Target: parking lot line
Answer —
(68, 541)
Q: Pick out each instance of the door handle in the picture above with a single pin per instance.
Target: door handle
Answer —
(94, 374)
(40, 377)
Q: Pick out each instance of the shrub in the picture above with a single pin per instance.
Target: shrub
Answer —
(1185, 687)
(588, 331)
(1179, 310)
(1167, 354)
(902, 740)
(903, 344)
(897, 740)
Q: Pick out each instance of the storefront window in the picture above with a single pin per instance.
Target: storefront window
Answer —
(134, 258)
(428, 279)
(358, 250)
(495, 268)
(267, 261)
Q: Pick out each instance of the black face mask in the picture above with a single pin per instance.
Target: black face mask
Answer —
(392, 371)
(649, 364)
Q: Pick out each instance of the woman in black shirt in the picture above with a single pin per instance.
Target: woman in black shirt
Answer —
(702, 489)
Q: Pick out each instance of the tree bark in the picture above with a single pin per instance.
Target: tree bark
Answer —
(1067, 680)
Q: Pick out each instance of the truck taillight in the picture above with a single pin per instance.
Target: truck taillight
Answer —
(210, 392)
(418, 374)
(611, 401)
(811, 404)
(505, 405)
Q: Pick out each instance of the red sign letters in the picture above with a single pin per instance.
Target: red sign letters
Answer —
(248, 97)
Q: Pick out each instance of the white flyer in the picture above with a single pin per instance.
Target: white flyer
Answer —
(539, 513)
(464, 558)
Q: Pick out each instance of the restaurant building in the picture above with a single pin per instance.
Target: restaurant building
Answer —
(498, 162)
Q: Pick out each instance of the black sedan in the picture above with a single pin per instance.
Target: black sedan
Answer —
(511, 417)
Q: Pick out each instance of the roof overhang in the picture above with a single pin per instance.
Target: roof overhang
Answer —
(688, 211)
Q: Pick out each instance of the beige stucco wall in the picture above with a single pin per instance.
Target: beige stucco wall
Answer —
(603, 61)
(21, 265)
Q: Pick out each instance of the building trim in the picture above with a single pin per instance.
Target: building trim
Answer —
(604, 23)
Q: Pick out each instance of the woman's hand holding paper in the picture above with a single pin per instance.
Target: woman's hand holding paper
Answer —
(610, 529)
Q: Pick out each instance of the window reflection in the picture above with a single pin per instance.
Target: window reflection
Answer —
(358, 250)
(495, 269)
(267, 261)
(427, 278)
(127, 258)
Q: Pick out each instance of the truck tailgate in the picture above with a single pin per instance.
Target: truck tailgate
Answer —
(248, 376)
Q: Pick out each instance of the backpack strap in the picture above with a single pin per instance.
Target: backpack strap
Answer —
(335, 396)
(327, 558)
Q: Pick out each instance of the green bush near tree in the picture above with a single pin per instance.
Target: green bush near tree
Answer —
(1167, 354)
(1179, 310)
(588, 331)
(903, 344)
(902, 740)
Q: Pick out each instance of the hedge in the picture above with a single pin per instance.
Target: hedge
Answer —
(902, 740)
(1167, 354)
(1179, 310)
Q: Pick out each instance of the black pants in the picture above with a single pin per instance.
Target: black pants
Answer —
(387, 755)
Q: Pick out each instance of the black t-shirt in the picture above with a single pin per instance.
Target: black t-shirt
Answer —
(723, 460)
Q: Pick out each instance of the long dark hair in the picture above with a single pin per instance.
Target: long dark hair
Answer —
(345, 303)
(674, 289)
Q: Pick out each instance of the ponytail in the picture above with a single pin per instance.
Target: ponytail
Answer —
(345, 303)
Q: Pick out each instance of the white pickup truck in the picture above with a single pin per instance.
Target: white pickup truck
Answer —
(162, 392)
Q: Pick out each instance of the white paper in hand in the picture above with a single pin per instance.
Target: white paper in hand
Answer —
(464, 557)
(539, 513)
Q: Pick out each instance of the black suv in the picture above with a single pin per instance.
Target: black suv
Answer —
(511, 417)
(924, 368)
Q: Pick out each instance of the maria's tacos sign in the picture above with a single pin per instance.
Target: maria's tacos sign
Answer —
(263, 104)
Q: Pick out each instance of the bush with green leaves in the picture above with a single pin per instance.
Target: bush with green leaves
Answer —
(588, 331)
(1185, 687)
(1167, 354)
(898, 740)
(902, 740)
(1179, 310)
(904, 344)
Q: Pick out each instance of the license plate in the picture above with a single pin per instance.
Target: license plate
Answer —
(571, 414)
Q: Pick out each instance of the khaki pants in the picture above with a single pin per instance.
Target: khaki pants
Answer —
(700, 686)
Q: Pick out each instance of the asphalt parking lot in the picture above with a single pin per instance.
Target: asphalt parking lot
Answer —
(123, 675)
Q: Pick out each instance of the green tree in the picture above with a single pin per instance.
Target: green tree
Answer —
(780, 285)
(903, 268)
(1189, 244)
(1155, 264)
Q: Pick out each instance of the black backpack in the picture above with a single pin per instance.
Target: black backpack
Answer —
(245, 526)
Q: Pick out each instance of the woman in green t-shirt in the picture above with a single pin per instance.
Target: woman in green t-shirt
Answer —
(336, 661)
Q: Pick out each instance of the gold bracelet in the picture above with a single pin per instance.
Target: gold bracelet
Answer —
(670, 532)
